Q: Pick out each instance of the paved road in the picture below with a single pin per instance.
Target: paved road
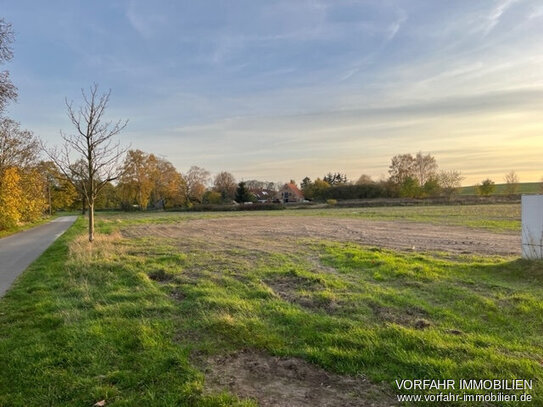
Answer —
(18, 251)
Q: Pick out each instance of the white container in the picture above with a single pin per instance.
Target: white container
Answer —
(532, 227)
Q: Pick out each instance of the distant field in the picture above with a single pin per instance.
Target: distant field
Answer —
(524, 188)
(220, 309)
(496, 217)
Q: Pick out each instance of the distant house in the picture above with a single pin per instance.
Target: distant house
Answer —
(263, 195)
(289, 193)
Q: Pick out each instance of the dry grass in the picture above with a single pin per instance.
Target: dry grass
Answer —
(105, 247)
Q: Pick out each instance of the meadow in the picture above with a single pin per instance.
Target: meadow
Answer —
(493, 217)
(169, 309)
(501, 189)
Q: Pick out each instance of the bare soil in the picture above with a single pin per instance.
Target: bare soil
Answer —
(414, 317)
(260, 232)
(289, 382)
(287, 288)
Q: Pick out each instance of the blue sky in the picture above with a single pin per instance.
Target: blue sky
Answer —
(276, 90)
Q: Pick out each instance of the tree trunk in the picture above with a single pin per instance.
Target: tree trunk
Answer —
(91, 222)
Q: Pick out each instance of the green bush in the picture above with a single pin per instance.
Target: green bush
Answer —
(212, 197)
(365, 191)
(487, 187)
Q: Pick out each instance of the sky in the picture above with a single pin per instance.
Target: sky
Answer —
(280, 90)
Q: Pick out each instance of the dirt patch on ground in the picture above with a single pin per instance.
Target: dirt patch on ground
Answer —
(289, 382)
(410, 317)
(160, 275)
(269, 233)
(287, 288)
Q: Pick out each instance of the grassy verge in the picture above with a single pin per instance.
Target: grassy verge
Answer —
(122, 321)
(30, 225)
(26, 226)
(74, 333)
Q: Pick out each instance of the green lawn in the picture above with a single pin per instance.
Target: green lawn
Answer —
(123, 320)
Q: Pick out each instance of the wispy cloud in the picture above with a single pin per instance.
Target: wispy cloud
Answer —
(537, 12)
(396, 25)
(144, 21)
(313, 85)
(496, 13)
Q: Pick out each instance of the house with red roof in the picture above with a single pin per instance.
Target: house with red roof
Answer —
(289, 194)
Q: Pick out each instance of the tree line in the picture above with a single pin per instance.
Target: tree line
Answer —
(410, 176)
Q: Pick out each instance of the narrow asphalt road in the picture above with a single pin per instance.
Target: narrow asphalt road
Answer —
(18, 251)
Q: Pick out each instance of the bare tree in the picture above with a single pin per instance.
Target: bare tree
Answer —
(425, 167)
(7, 90)
(450, 182)
(225, 183)
(511, 183)
(272, 186)
(196, 179)
(402, 166)
(93, 143)
(18, 148)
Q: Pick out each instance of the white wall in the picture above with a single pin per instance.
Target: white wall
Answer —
(532, 226)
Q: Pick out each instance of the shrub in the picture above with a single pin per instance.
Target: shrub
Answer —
(341, 192)
(410, 188)
(486, 187)
(216, 208)
(260, 207)
(212, 197)
(431, 187)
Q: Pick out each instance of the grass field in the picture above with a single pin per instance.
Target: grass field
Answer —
(142, 318)
(497, 218)
(523, 188)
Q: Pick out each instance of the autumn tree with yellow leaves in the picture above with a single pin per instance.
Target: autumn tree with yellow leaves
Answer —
(22, 184)
(150, 180)
(10, 196)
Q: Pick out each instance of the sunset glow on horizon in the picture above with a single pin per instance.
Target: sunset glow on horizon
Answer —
(286, 89)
